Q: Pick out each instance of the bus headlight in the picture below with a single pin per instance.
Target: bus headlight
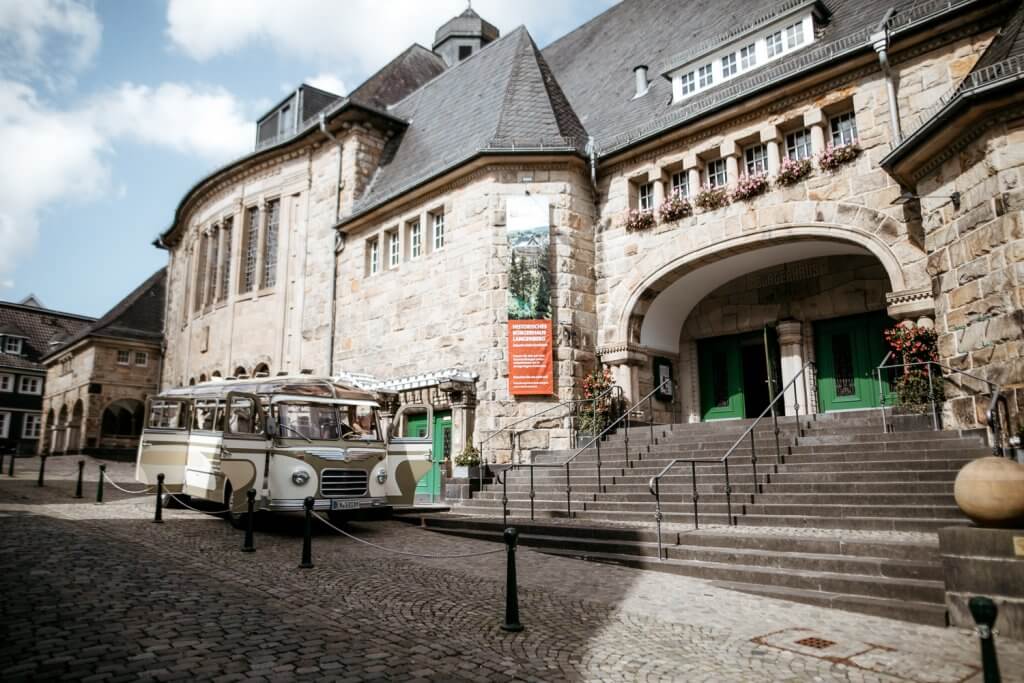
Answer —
(300, 477)
(382, 475)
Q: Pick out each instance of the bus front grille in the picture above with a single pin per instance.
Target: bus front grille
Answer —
(343, 483)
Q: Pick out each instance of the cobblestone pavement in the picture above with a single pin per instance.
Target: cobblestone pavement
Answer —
(100, 593)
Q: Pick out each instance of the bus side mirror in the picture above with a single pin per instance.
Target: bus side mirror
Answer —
(272, 429)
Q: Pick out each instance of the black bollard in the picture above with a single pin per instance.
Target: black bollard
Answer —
(247, 546)
(42, 470)
(307, 539)
(158, 516)
(99, 484)
(985, 612)
(78, 484)
(511, 590)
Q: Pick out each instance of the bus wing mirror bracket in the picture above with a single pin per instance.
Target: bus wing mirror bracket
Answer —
(272, 429)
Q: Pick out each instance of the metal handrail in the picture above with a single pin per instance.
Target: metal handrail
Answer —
(654, 486)
(995, 422)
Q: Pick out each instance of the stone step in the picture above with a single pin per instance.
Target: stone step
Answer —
(613, 460)
(884, 486)
(744, 476)
(747, 495)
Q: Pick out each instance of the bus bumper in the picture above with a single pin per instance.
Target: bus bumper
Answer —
(296, 504)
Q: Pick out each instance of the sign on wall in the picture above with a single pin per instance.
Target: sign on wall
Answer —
(530, 357)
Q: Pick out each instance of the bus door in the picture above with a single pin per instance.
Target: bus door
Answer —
(202, 472)
(245, 452)
(409, 457)
(163, 448)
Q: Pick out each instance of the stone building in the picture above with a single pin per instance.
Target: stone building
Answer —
(98, 379)
(817, 146)
(28, 331)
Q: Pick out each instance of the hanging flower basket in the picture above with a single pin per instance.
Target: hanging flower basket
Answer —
(674, 208)
(834, 157)
(749, 186)
(792, 171)
(639, 220)
(711, 198)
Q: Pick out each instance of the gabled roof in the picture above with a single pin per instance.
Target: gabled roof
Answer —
(38, 327)
(137, 317)
(501, 99)
(399, 77)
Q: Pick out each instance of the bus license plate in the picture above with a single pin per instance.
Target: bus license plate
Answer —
(344, 504)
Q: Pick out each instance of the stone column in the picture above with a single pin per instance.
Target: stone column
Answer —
(692, 164)
(815, 120)
(771, 139)
(659, 189)
(624, 361)
(730, 153)
(791, 350)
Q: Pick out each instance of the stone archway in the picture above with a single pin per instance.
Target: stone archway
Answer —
(74, 439)
(61, 435)
(122, 423)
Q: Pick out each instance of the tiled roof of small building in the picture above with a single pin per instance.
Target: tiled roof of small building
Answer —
(38, 327)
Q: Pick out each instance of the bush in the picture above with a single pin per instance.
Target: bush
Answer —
(911, 344)
(639, 220)
(711, 198)
(674, 208)
(792, 171)
(750, 186)
(834, 157)
(469, 457)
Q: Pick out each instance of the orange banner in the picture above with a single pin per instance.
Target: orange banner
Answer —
(530, 358)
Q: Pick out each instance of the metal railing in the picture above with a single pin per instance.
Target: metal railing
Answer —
(654, 486)
(502, 470)
(996, 423)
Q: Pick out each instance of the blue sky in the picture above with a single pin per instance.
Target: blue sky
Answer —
(110, 111)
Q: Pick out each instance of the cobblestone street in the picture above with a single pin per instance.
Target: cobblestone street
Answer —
(98, 592)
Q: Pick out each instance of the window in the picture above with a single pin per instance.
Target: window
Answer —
(6, 382)
(204, 247)
(30, 385)
(212, 279)
(124, 357)
(645, 196)
(844, 129)
(757, 159)
(748, 57)
(704, 77)
(252, 242)
(270, 244)
(65, 365)
(208, 415)
(689, 83)
(729, 65)
(5, 424)
(438, 219)
(31, 426)
(774, 44)
(716, 173)
(681, 184)
(12, 345)
(465, 51)
(373, 256)
(141, 358)
(798, 145)
(795, 35)
(284, 120)
(168, 414)
(244, 416)
(415, 239)
(225, 266)
(394, 255)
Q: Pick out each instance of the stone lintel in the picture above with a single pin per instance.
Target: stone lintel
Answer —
(814, 117)
(728, 148)
(623, 353)
(770, 134)
(910, 304)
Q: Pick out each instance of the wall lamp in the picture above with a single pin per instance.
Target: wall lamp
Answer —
(907, 196)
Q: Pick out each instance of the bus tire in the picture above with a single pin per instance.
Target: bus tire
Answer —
(239, 520)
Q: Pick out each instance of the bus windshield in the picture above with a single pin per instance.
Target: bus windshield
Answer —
(327, 422)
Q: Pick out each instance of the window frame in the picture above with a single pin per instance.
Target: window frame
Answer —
(706, 75)
(804, 141)
(794, 35)
(394, 248)
(271, 244)
(7, 382)
(415, 231)
(5, 423)
(145, 359)
(755, 159)
(35, 419)
(127, 357)
(688, 83)
(250, 255)
(730, 65)
(13, 345)
(437, 221)
(373, 255)
(645, 196)
(684, 177)
(748, 56)
(714, 169)
(835, 125)
(226, 231)
(25, 379)
(774, 44)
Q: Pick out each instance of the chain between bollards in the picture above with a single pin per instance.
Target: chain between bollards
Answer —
(984, 611)
(158, 516)
(99, 484)
(307, 538)
(511, 589)
(247, 546)
(81, 474)
(42, 470)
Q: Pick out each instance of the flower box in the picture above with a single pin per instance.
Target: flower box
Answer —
(749, 186)
(792, 171)
(675, 208)
(834, 157)
(711, 198)
(639, 220)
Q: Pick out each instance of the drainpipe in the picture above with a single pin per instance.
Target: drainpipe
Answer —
(880, 41)
(339, 245)
(592, 153)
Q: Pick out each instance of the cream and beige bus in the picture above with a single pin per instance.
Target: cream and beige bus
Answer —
(287, 438)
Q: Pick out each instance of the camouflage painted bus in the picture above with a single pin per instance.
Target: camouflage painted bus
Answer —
(287, 438)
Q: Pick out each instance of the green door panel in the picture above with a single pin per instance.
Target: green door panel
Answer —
(848, 351)
(430, 484)
(721, 388)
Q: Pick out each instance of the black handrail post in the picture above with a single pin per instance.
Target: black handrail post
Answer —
(247, 545)
(775, 426)
(622, 398)
(657, 512)
(532, 494)
(599, 463)
(307, 536)
(158, 514)
(650, 416)
(78, 483)
(99, 484)
(984, 611)
(568, 492)
(931, 398)
(504, 498)
(511, 589)
(42, 469)
(728, 491)
(695, 496)
(753, 461)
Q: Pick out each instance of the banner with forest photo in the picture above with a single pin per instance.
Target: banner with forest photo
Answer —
(530, 357)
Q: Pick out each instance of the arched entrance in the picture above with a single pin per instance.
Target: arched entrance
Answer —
(61, 436)
(74, 442)
(122, 423)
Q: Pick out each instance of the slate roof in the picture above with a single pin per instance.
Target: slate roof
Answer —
(137, 317)
(1009, 44)
(469, 23)
(38, 327)
(399, 77)
(502, 98)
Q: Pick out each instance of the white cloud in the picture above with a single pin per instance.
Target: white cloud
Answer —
(63, 155)
(360, 35)
(327, 81)
(47, 40)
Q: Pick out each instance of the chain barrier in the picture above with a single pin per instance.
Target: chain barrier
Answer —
(113, 483)
(406, 552)
(205, 512)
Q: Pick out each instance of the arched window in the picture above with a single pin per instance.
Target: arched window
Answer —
(215, 373)
(262, 370)
(191, 381)
(241, 372)
(202, 377)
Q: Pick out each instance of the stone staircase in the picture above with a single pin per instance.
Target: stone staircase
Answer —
(846, 517)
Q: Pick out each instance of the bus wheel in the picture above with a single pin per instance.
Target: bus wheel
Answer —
(239, 520)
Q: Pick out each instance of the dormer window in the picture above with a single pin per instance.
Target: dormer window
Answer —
(689, 83)
(748, 56)
(284, 120)
(729, 65)
(12, 345)
(465, 51)
(704, 76)
(774, 44)
(794, 35)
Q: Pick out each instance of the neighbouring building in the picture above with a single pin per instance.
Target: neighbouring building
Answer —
(28, 331)
(732, 189)
(98, 379)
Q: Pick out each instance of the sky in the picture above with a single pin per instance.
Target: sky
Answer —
(111, 110)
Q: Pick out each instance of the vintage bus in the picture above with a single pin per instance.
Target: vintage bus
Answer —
(287, 438)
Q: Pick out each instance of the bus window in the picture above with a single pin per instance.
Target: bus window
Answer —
(167, 415)
(360, 422)
(317, 422)
(243, 417)
(208, 416)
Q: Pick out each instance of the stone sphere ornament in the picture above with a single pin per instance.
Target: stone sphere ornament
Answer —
(991, 491)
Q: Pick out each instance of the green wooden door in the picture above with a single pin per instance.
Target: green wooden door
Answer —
(430, 484)
(721, 386)
(848, 351)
